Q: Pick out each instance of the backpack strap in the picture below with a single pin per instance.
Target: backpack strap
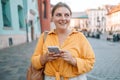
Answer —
(45, 35)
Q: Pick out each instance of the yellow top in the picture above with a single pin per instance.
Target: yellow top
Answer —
(77, 44)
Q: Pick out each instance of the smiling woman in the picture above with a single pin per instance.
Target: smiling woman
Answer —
(61, 15)
(76, 56)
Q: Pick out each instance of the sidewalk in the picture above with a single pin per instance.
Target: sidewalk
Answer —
(15, 60)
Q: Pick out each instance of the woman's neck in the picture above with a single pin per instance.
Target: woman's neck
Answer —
(66, 31)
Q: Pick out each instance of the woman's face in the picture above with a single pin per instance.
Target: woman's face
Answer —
(61, 18)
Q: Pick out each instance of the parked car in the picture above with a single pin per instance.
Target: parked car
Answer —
(90, 34)
(113, 36)
(96, 35)
(116, 36)
(110, 36)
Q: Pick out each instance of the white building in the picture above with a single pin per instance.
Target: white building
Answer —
(79, 20)
(97, 19)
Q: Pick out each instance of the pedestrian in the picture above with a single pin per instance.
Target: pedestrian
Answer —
(76, 56)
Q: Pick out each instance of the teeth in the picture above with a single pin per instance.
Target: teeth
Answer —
(62, 24)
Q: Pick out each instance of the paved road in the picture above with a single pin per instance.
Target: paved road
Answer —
(15, 60)
(107, 66)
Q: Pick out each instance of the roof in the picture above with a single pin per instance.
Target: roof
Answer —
(114, 9)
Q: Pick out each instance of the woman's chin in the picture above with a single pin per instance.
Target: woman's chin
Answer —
(63, 27)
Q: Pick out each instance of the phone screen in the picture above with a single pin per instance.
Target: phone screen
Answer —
(53, 49)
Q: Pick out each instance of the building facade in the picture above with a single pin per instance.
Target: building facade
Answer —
(14, 22)
(113, 19)
(79, 20)
(44, 13)
(97, 19)
(33, 20)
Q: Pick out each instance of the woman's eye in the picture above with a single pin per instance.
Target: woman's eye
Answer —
(58, 14)
(67, 15)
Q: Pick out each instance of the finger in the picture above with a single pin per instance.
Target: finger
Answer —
(52, 58)
(51, 52)
(56, 55)
(64, 56)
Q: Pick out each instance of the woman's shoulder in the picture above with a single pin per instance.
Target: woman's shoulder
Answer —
(80, 33)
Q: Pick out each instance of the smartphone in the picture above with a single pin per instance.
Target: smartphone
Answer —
(53, 49)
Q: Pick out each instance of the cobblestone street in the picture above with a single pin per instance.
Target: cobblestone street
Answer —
(15, 60)
(107, 66)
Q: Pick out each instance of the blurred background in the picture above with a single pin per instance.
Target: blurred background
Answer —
(23, 21)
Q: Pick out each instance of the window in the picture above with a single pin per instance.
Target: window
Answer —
(103, 18)
(98, 19)
(20, 16)
(6, 13)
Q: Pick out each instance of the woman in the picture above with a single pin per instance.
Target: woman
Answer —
(76, 56)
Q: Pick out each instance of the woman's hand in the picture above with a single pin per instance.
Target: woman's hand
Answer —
(50, 56)
(68, 57)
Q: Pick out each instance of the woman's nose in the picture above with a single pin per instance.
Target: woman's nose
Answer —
(63, 17)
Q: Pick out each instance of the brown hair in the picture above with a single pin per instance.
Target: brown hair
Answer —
(60, 4)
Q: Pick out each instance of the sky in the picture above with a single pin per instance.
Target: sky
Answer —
(82, 5)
